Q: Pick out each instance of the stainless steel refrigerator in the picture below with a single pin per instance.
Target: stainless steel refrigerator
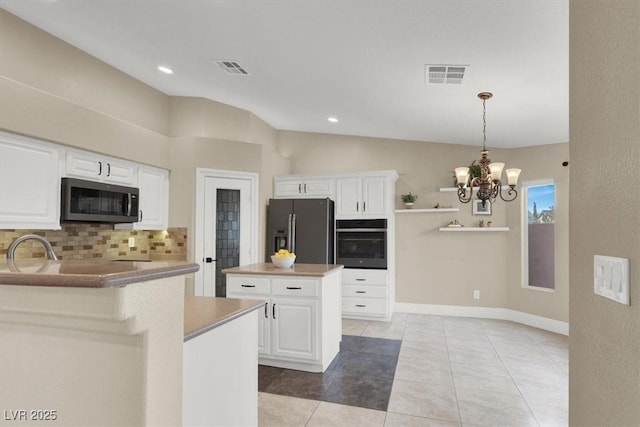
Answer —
(303, 226)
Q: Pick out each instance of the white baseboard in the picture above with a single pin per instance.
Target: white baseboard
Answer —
(539, 322)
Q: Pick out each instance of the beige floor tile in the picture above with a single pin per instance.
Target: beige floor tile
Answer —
(389, 330)
(332, 414)
(423, 350)
(435, 338)
(477, 407)
(284, 411)
(353, 326)
(401, 420)
(434, 371)
(488, 376)
(424, 400)
(419, 321)
(550, 412)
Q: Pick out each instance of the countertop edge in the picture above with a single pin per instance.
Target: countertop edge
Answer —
(98, 280)
(281, 271)
(224, 320)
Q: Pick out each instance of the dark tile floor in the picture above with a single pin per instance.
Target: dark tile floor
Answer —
(360, 375)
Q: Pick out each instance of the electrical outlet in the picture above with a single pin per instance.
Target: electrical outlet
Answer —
(476, 294)
(132, 242)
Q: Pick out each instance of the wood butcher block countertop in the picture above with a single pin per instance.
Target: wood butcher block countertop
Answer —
(314, 270)
(201, 314)
(88, 273)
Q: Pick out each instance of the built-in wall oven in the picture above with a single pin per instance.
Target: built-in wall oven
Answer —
(361, 243)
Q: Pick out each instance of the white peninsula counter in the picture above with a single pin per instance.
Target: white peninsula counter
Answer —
(300, 323)
(118, 343)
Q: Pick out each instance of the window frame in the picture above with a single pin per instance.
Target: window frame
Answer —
(524, 232)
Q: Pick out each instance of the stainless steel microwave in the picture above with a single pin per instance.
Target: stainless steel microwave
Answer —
(90, 201)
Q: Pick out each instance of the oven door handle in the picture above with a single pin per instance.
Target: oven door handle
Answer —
(379, 230)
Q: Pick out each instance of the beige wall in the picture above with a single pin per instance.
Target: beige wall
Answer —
(445, 268)
(53, 91)
(541, 162)
(604, 344)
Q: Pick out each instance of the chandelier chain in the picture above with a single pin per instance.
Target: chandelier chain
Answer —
(484, 124)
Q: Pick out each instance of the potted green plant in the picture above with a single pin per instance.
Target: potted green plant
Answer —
(409, 199)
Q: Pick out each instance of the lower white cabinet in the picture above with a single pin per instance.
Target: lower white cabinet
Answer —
(366, 294)
(29, 183)
(300, 324)
(295, 328)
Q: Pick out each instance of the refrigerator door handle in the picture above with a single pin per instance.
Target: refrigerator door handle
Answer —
(293, 237)
(289, 233)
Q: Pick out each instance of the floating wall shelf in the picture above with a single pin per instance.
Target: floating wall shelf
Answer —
(469, 229)
(432, 210)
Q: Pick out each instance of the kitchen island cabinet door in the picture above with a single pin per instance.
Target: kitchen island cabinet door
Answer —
(255, 288)
(295, 330)
(29, 183)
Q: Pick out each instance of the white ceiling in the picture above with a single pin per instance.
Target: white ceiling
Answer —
(361, 61)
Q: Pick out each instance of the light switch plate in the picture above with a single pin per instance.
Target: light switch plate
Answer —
(611, 278)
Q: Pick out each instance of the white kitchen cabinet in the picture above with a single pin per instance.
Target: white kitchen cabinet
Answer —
(256, 288)
(296, 187)
(96, 167)
(365, 294)
(295, 328)
(29, 183)
(361, 197)
(154, 200)
(300, 325)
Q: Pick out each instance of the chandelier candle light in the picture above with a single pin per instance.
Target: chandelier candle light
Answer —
(489, 184)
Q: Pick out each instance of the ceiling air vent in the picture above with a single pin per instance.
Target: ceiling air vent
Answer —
(445, 74)
(231, 67)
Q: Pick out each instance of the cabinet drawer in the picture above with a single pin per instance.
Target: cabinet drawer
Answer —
(295, 287)
(356, 305)
(364, 277)
(247, 285)
(364, 291)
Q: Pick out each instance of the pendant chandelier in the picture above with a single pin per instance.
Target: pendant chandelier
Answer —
(488, 186)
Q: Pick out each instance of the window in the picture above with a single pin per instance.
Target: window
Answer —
(538, 265)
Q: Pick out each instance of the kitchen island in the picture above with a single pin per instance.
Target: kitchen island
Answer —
(300, 324)
(102, 343)
(220, 367)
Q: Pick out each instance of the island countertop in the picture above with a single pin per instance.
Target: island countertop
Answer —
(88, 273)
(201, 314)
(313, 270)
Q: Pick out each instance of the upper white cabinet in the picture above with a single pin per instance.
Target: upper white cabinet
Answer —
(96, 167)
(357, 195)
(368, 196)
(154, 200)
(298, 187)
(29, 183)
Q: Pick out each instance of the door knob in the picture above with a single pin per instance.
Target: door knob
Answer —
(209, 260)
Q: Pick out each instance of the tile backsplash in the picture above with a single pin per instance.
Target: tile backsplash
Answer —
(89, 241)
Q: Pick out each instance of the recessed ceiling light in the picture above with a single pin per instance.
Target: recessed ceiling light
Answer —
(165, 70)
(332, 119)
